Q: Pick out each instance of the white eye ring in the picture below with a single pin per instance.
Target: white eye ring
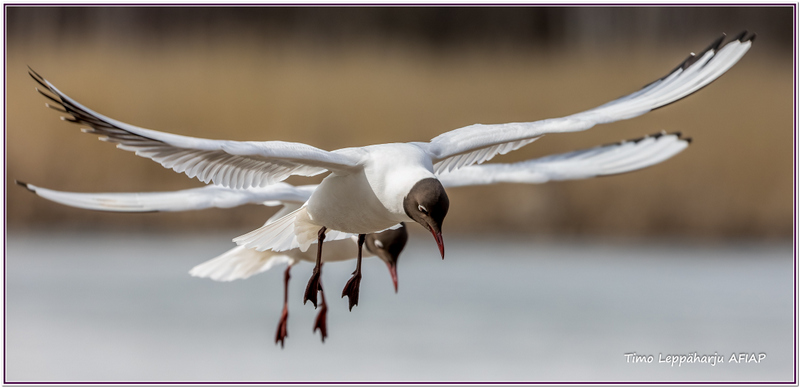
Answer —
(422, 209)
(379, 244)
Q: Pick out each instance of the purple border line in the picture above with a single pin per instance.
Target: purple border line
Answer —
(5, 179)
(442, 5)
(409, 383)
(794, 189)
(561, 383)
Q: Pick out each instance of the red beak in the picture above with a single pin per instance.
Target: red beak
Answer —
(393, 272)
(439, 241)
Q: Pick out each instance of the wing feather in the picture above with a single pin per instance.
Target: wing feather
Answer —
(230, 163)
(482, 142)
(174, 201)
(479, 156)
(617, 158)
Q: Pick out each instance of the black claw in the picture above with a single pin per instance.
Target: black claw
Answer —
(353, 285)
(282, 333)
(321, 321)
(351, 290)
(312, 288)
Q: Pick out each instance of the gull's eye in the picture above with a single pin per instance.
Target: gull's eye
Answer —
(379, 244)
(422, 209)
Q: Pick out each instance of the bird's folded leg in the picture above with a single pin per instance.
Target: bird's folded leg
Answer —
(313, 283)
(353, 285)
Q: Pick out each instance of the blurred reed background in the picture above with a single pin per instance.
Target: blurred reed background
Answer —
(349, 76)
(97, 296)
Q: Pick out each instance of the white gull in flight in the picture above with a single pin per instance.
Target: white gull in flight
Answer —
(241, 262)
(374, 188)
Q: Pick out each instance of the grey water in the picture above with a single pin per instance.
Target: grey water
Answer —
(112, 307)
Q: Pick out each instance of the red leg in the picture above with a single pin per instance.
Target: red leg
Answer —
(281, 333)
(352, 287)
(321, 322)
(313, 283)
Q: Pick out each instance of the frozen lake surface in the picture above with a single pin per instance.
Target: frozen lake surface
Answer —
(113, 307)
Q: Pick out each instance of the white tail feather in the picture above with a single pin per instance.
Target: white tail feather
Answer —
(238, 263)
(294, 230)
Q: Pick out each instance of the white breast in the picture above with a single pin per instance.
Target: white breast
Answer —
(372, 199)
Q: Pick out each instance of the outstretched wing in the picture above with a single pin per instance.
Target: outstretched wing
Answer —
(478, 143)
(235, 164)
(617, 158)
(175, 201)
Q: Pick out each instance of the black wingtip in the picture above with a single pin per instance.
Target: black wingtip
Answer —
(39, 80)
(740, 36)
(49, 97)
(750, 38)
(692, 58)
(55, 108)
(656, 136)
(714, 46)
(679, 134)
(35, 75)
(25, 185)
